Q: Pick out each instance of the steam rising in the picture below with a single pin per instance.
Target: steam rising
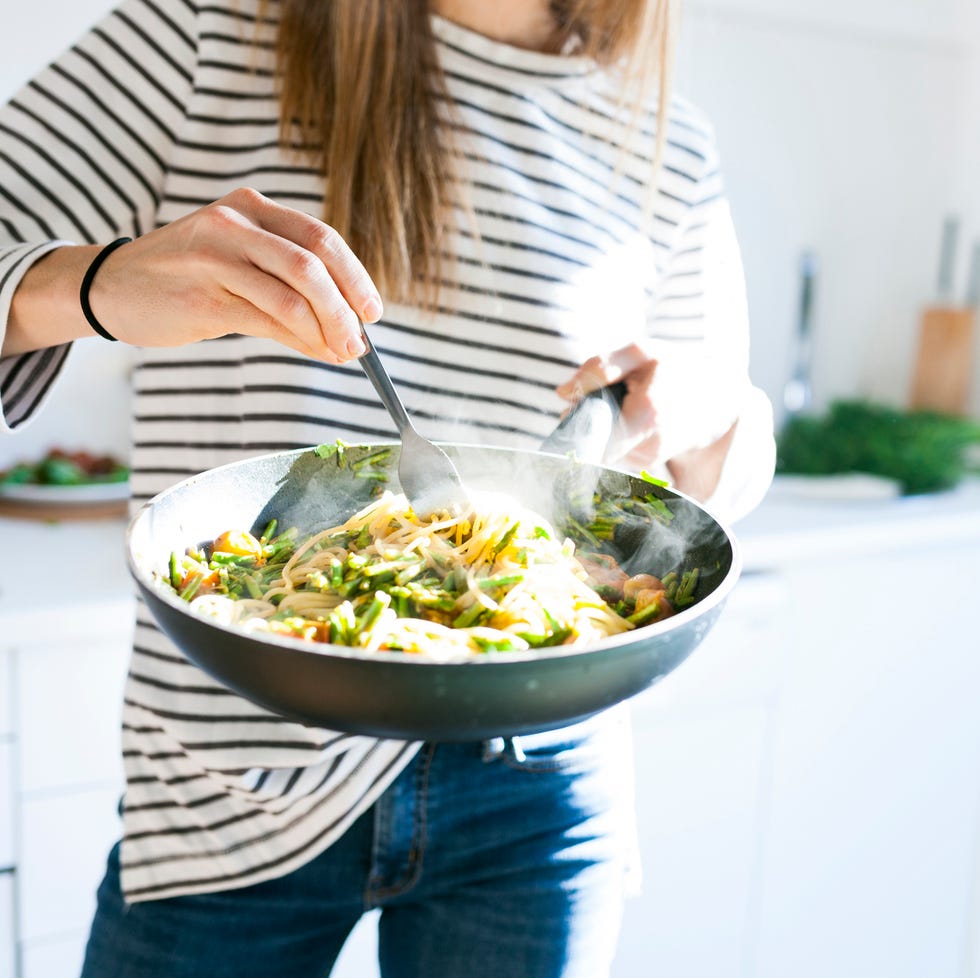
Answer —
(566, 490)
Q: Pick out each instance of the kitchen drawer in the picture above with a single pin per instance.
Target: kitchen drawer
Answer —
(64, 842)
(69, 703)
(6, 804)
(8, 942)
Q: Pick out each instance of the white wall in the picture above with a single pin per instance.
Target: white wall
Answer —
(851, 127)
(96, 374)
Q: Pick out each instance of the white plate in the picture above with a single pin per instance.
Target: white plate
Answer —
(91, 492)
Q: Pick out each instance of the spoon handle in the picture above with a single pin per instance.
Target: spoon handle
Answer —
(376, 373)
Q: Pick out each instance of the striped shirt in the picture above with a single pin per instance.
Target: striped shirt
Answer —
(167, 105)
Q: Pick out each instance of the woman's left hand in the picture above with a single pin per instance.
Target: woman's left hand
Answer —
(637, 441)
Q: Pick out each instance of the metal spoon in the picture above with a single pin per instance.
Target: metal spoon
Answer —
(427, 474)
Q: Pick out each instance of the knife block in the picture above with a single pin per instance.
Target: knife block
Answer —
(944, 360)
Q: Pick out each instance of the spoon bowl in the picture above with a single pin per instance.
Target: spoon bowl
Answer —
(427, 474)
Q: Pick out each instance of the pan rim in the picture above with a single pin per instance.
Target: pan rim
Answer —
(152, 585)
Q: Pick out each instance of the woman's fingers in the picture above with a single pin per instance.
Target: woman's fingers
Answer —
(637, 435)
(326, 243)
(601, 371)
(262, 305)
(294, 288)
(317, 270)
(243, 264)
(636, 439)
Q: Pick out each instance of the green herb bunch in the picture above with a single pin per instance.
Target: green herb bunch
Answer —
(924, 451)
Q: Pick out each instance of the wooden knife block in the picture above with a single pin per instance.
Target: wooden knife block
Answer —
(944, 361)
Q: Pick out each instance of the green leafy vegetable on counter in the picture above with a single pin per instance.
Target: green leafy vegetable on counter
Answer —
(60, 468)
(924, 451)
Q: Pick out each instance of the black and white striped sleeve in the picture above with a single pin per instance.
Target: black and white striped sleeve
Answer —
(84, 149)
(701, 322)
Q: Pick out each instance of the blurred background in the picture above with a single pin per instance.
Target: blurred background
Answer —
(809, 782)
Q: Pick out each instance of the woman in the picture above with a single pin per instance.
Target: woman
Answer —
(501, 174)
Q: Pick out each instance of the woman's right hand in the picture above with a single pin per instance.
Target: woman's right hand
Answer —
(243, 264)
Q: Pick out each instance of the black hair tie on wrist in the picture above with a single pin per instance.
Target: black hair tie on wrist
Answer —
(87, 285)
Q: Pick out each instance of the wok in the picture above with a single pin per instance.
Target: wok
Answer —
(392, 694)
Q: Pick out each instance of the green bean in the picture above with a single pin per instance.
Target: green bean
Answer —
(175, 575)
(647, 614)
(506, 538)
(372, 459)
(491, 645)
(251, 585)
(685, 590)
(225, 559)
(470, 616)
(501, 580)
(190, 589)
(378, 604)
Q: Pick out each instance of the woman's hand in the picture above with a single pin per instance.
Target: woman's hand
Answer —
(243, 264)
(639, 443)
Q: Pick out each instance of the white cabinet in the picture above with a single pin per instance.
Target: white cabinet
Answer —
(58, 958)
(808, 781)
(61, 678)
(64, 842)
(69, 734)
(874, 805)
(702, 741)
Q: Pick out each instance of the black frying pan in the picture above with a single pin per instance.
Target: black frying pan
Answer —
(391, 694)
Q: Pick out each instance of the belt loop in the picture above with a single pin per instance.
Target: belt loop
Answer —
(493, 749)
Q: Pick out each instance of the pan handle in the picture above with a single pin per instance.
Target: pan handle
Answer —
(588, 427)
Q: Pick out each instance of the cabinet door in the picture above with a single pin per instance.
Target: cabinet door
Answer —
(875, 787)
(64, 841)
(700, 741)
(70, 702)
(48, 959)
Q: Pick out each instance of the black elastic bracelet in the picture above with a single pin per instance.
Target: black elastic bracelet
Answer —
(87, 285)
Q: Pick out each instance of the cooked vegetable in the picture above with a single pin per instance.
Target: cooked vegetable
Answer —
(61, 468)
(494, 579)
(923, 450)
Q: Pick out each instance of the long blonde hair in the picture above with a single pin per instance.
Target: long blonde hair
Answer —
(357, 82)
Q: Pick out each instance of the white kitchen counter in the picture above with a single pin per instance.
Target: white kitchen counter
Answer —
(55, 569)
(794, 523)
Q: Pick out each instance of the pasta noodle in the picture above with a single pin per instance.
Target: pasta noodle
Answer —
(497, 578)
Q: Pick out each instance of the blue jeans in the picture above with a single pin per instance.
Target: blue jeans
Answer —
(506, 859)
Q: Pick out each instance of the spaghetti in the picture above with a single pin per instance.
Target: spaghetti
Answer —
(496, 578)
